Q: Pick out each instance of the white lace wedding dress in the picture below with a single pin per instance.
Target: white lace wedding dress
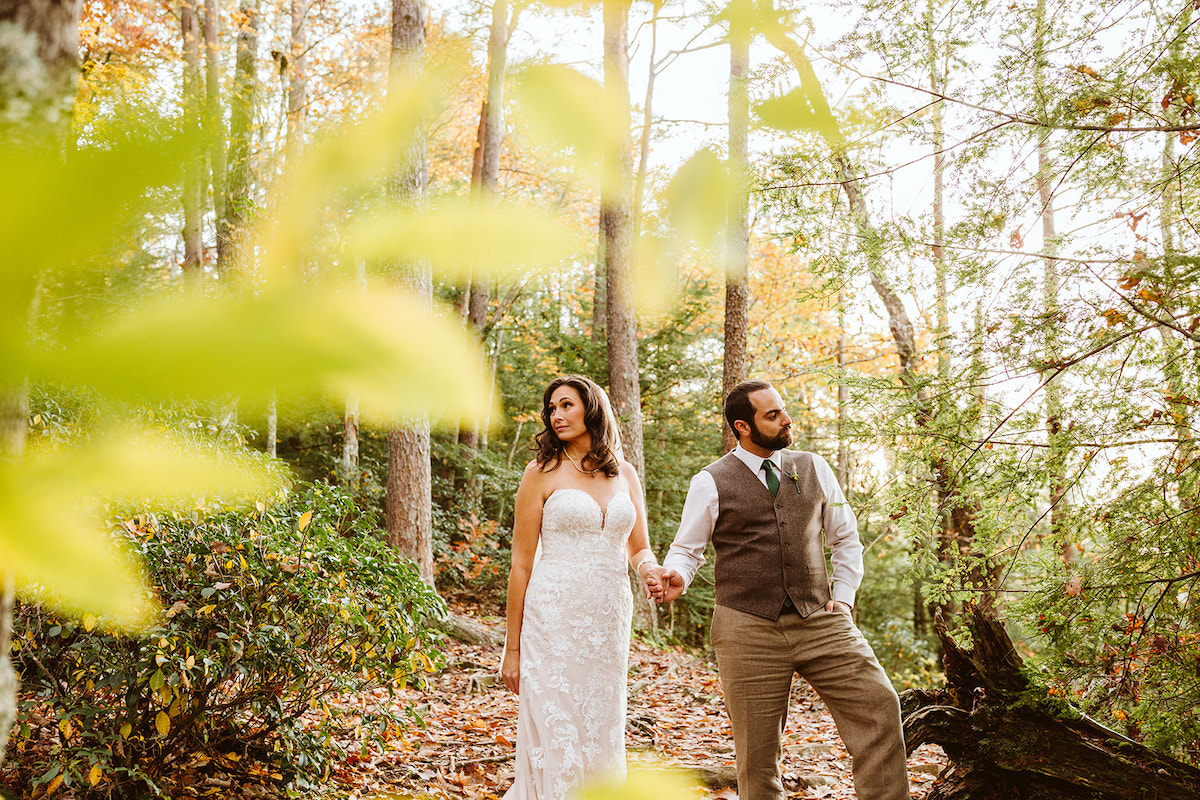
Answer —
(575, 648)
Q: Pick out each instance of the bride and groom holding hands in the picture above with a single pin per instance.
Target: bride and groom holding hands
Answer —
(769, 513)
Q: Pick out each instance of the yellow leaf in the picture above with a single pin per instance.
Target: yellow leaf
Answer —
(399, 356)
(54, 784)
(65, 727)
(503, 241)
(564, 108)
(95, 774)
(89, 622)
(206, 609)
(305, 518)
(643, 784)
(126, 729)
(162, 723)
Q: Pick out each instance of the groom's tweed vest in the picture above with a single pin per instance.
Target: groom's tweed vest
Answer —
(769, 549)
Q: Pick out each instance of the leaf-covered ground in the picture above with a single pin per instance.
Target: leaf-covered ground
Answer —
(676, 715)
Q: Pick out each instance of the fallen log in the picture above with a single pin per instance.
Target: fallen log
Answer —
(1006, 739)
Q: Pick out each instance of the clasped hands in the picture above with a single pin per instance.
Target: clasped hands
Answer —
(662, 585)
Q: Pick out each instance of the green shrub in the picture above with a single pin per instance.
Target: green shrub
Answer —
(909, 660)
(266, 615)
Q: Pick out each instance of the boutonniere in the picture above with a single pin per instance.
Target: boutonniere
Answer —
(795, 479)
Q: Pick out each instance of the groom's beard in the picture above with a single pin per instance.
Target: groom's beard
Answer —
(776, 442)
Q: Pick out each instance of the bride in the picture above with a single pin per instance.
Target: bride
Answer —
(579, 515)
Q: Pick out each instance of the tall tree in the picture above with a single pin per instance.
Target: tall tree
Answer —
(193, 175)
(214, 127)
(737, 226)
(408, 501)
(39, 61)
(243, 101)
(1052, 323)
(487, 168)
(617, 234)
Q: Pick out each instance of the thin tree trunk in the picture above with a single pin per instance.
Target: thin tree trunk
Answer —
(193, 176)
(40, 41)
(615, 224)
(350, 476)
(639, 182)
(241, 130)
(1174, 355)
(843, 458)
(408, 502)
(617, 232)
(214, 127)
(947, 543)
(1051, 324)
(737, 226)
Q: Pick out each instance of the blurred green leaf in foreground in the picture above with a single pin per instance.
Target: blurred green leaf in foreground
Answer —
(298, 321)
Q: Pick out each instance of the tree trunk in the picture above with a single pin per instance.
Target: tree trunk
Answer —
(297, 105)
(193, 175)
(1174, 355)
(737, 226)
(615, 224)
(214, 127)
(241, 130)
(491, 136)
(39, 63)
(349, 467)
(616, 228)
(1007, 741)
(408, 502)
(1052, 322)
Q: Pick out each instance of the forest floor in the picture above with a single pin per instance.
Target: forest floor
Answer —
(677, 719)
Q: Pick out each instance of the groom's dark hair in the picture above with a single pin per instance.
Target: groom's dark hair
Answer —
(738, 405)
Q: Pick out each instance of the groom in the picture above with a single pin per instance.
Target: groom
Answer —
(778, 610)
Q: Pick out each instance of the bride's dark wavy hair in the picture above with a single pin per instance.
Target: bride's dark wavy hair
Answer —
(597, 418)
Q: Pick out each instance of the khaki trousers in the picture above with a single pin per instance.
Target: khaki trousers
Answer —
(756, 658)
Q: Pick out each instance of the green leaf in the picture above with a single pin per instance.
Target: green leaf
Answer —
(564, 108)
(461, 237)
(700, 196)
(793, 112)
(56, 549)
(398, 356)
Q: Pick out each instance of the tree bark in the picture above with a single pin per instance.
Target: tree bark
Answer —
(737, 225)
(1051, 323)
(408, 501)
(1007, 741)
(214, 127)
(491, 136)
(616, 226)
(193, 175)
(39, 63)
(242, 103)
(617, 231)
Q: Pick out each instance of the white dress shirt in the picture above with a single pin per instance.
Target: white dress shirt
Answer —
(699, 518)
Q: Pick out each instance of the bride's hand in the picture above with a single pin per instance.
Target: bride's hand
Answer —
(652, 580)
(510, 670)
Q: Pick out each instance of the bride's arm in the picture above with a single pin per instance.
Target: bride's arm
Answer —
(527, 529)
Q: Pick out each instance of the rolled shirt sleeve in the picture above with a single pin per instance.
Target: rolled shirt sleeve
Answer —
(841, 537)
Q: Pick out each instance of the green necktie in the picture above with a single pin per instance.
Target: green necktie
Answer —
(772, 478)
